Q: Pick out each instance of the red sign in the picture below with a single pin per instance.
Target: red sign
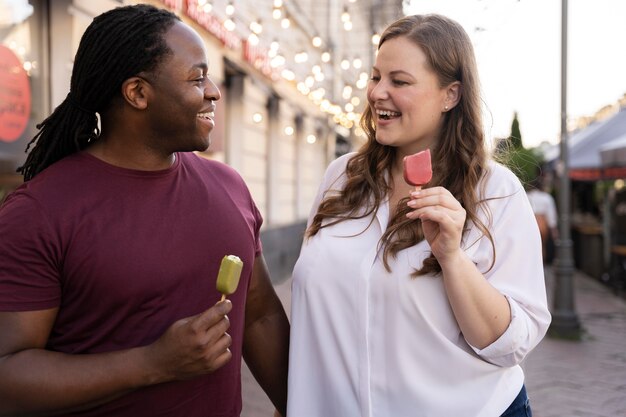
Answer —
(14, 96)
(213, 25)
(258, 56)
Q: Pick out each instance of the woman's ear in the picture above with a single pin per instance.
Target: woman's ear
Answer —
(453, 95)
(135, 92)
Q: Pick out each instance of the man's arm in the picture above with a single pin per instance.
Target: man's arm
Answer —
(266, 336)
(36, 381)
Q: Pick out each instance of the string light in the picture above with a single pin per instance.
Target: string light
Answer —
(229, 24)
(288, 75)
(345, 16)
(230, 9)
(301, 57)
(253, 39)
(256, 26)
(206, 6)
(316, 41)
(285, 23)
(345, 116)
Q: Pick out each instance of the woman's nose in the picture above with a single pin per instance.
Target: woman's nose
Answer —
(378, 91)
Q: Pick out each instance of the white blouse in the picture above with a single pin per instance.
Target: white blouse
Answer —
(366, 342)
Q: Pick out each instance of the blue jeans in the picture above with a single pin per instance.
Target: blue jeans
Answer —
(520, 407)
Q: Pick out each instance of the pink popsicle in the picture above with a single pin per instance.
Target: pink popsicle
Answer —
(417, 169)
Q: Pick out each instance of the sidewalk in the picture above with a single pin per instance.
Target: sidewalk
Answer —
(585, 378)
(563, 378)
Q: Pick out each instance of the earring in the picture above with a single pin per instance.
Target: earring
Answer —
(445, 108)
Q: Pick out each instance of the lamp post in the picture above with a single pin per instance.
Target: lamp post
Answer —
(564, 319)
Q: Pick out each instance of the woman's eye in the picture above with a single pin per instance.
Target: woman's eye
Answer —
(399, 82)
(374, 78)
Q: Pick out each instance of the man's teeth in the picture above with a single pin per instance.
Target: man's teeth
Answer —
(206, 115)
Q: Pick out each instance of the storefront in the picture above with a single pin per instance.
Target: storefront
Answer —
(24, 97)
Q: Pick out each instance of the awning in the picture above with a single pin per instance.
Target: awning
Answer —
(613, 154)
(585, 163)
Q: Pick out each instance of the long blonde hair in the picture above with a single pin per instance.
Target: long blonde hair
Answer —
(460, 157)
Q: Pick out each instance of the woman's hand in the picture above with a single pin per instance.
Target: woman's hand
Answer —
(442, 218)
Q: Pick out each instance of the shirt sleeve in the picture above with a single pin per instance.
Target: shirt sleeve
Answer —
(517, 271)
(29, 277)
(257, 231)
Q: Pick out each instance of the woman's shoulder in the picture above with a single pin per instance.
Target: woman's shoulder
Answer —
(338, 165)
(499, 180)
(336, 169)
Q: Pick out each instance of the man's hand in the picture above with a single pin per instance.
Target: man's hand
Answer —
(192, 346)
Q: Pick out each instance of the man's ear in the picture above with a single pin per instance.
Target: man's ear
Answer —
(136, 92)
(453, 95)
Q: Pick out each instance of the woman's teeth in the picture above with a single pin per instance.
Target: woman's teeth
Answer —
(387, 114)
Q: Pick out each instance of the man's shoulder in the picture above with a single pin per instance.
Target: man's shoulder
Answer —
(210, 168)
(201, 162)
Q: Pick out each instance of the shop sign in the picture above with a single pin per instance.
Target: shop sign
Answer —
(213, 25)
(255, 55)
(14, 96)
(258, 56)
(172, 4)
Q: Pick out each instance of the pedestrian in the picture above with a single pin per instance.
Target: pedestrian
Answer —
(110, 249)
(417, 302)
(544, 207)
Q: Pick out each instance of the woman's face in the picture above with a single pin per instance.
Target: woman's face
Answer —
(405, 98)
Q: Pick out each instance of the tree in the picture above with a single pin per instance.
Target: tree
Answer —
(525, 163)
(516, 134)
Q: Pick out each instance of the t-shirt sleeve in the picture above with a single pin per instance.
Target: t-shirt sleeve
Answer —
(29, 278)
(258, 218)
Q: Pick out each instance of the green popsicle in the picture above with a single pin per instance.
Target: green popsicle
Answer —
(228, 276)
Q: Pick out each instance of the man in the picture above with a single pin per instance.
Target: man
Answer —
(544, 208)
(110, 250)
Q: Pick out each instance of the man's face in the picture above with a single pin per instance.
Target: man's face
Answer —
(181, 111)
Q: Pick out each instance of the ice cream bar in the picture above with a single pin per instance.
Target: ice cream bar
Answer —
(228, 276)
(417, 169)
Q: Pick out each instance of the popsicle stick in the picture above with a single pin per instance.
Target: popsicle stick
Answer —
(223, 297)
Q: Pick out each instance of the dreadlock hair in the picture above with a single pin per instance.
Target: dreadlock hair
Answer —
(117, 45)
(460, 156)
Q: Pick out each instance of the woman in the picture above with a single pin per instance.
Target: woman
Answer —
(417, 302)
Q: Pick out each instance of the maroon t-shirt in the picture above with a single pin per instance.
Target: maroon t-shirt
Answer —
(124, 254)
